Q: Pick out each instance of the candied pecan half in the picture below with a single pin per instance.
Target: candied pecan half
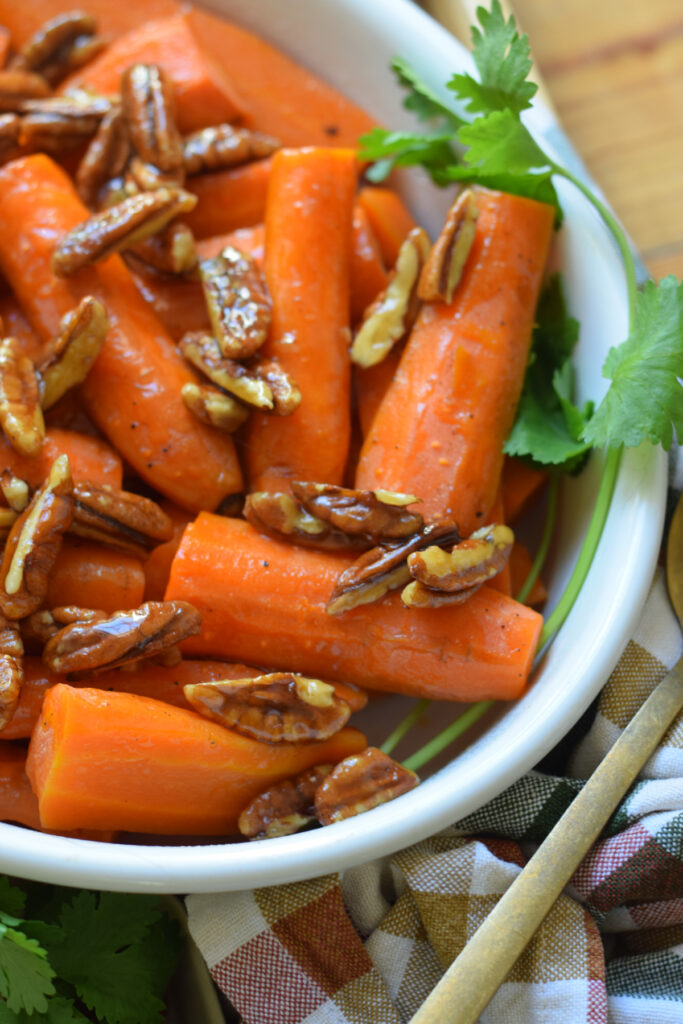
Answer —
(21, 416)
(237, 301)
(417, 595)
(81, 336)
(122, 637)
(8, 518)
(359, 783)
(442, 272)
(278, 515)
(146, 177)
(391, 316)
(38, 628)
(286, 394)
(223, 146)
(471, 562)
(18, 86)
(11, 670)
(34, 543)
(120, 519)
(149, 107)
(10, 131)
(60, 45)
(202, 351)
(385, 567)
(285, 808)
(213, 406)
(59, 124)
(377, 515)
(106, 156)
(14, 490)
(170, 251)
(279, 707)
(118, 227)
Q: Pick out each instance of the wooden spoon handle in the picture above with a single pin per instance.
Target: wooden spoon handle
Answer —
(476, 974)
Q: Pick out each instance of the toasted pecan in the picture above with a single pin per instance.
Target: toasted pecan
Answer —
(377, 515)
(469, 563)
(279, 707)
(170, 251)
(441, 273)
(223, 146)
(359, 783)
(280, 516)
(60, 45)
(21, 416)
(81, 336)
(203, 352)
(118, 518)
(417, 595)
(105, 157)
(237, 301)
(285, 808)
(14, 490)
(60, 124)
(122, 637)
(41, 626)
(285, 390)
(11, 670)
(149, 107)
(10, 131)
(17, 86)
(213, 406)
(34, 542)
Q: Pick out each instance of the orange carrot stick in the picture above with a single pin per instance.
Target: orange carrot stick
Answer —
(263, 602)
(280, 97)
(157, 566)
(227, 200)
(521, 483)
(308, 251)
(17, 326)
(520, 567)
(133, 390)
(91, 575)
(249, 239)
(389, 218)
(90, 458)
(439, 431)
(118, 760)
(368, 273)
(5, 45)
(203, 94)
(371, 385)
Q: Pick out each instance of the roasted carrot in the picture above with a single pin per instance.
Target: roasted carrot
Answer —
(389, 218)
(520, 567)
(133, 390)
(249, 239)
(157, 566)
(5, 45)
(23, 20)
(90, 458)
(18, 802)
(371, 385)
(368, 273)
(521, 483)
(203, 94)
(279, 96)
(481, 649)
(227, 200)
(497, 514)
(308, 252)
(17, 326)
(118, 760)
(440, 429)
(37, 681)
(91, 575)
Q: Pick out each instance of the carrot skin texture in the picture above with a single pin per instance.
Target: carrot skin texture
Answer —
(90, 459)
(90, 575)
(228, 200)
(521, 484)
(133, 390)
(118, 760)
(440, 429)
(267, 607)
(308, 253)
(368, 273)
(203, 94)
(389, 219)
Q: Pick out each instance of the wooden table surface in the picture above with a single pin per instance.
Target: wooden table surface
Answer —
(614, 71)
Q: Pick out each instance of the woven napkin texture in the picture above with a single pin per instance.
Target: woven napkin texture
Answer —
(367, 947)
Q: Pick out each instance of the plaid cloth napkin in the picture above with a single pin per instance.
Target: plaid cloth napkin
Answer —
(368, 946)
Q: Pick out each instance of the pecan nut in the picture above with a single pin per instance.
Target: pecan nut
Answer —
(34, 543)
(60, 124)
(60, 45)
(377, 515)
(10, 132)
(417, 595)
(202, 351)
(120, 519)
(223, 146)
(237, 301)
(442, 272)
(359, 783)
(286, 394)
(8, 518)
(81, 336)
(21, 416)
(391, 316)
(14, 490)
(280, 707)
(213, 406)
(119, 227)
(285, 808)
(41, 626)
(171, 251)
(385, 567)
(146, 177)
(149, 107)
(470, 563)
(122, 637)
(278, 515)
(11, 670)
(18, 86)
(106, 156)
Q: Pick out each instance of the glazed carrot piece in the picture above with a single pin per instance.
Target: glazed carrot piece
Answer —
(280, 97)
(90, 575)
(133, 390)
(23, 20)
(497, 514)
(249, 239)
(5, 45)
(371, 385)
(440, 429)
(521, 483)
(227, 200)
(477, 650)
(118, 760)
(389, 218)
(520, 567)
(17, 326)
(157, 565)
(37, 681)
(308, 252)
(203, 94)
(18, 802)
(90, 458)
(368, 273)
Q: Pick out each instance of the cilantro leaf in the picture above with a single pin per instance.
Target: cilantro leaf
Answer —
(60, 1010)
(404, 149)
(503, 61)
(421, 99)
(25, 974)
(12, 899)
(500, 144)
(645, 398)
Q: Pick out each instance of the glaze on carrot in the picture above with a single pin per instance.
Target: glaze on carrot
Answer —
(227, 200)
(118, 760)
(521, 484)
(440, 429)
(90, 459)
(90, 575)
(308, 253)
(133, 390)
(474, 651)
(389, 218)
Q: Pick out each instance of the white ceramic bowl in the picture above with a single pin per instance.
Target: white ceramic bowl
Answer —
(350, 43)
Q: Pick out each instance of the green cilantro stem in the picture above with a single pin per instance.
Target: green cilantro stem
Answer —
(455, 729)
(411, 719)
(544, 546)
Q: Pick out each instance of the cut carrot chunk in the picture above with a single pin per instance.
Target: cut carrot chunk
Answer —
(390, 219)
(227, 200)
(521, 483)
(90, 458)
(90, 575)
(368, 274)
(520, 567)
